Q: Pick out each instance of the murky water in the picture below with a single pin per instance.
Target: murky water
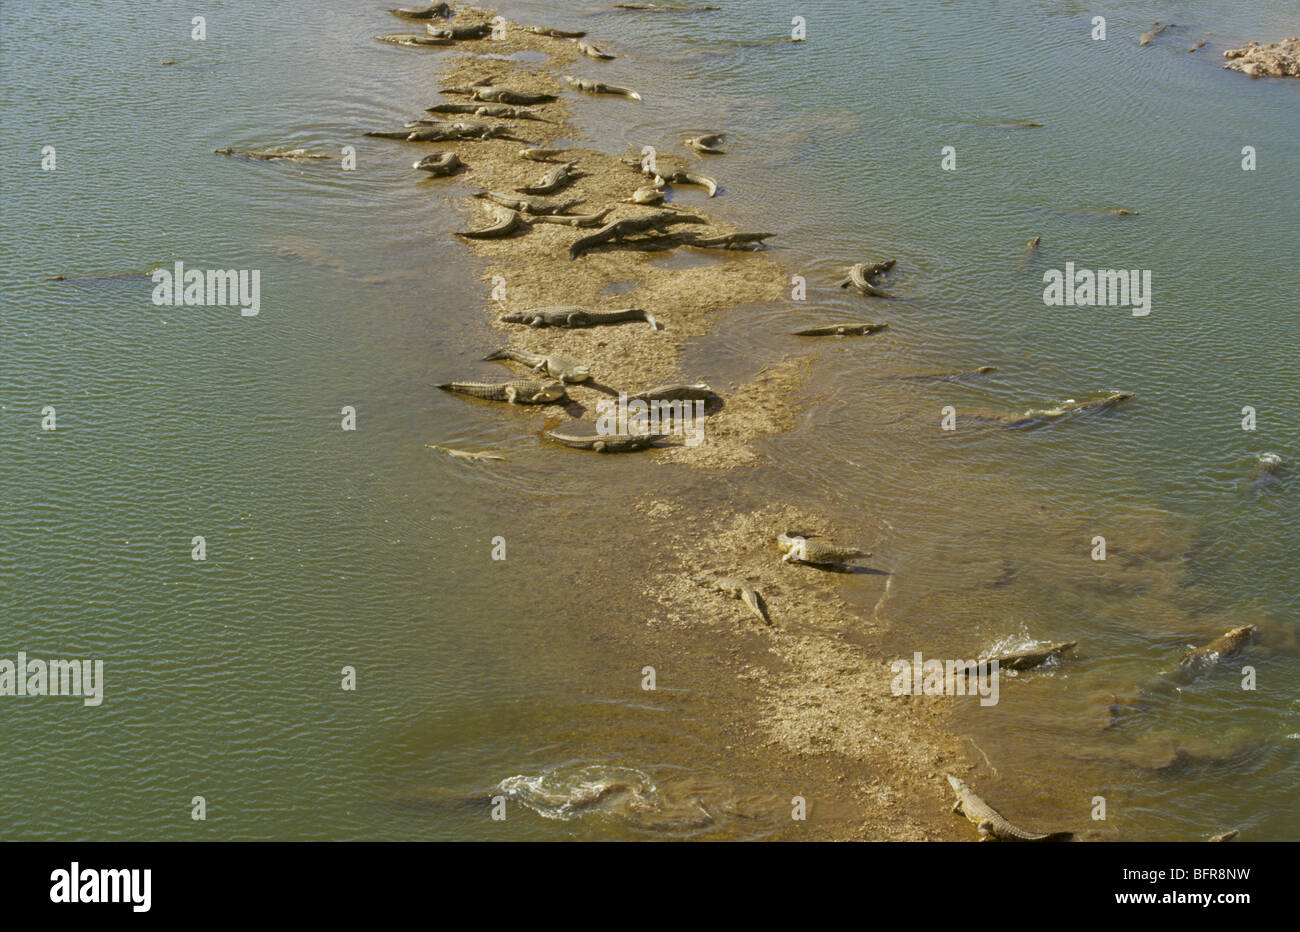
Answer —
(329, 548)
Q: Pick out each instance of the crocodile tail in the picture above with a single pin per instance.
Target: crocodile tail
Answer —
(497, 354)
(650, 319)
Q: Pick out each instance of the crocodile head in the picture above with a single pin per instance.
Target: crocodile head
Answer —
(550, 391)
(577, 373)
(788, 539)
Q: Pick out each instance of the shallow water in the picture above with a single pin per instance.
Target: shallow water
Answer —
(328, 548)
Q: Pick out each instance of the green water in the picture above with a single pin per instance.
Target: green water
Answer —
(329, 548)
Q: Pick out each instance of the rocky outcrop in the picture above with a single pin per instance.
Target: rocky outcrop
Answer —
(1280, 60)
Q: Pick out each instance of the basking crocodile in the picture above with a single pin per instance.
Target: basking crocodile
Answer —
(558, 177)
(707, 144)
(576, 220)
(530, 205)
(540, 154)
(724, 241)
(589, 86)
(799, 549)
(841, 330)
(682, 176)
(592, 52)
(412, 40)
(575, 316)
(433, 11)
(504, 95)
(269, 155)
(675, 392)
(507, 223)
(602, 443)
(1028, 659)
(515, 392)
(737, 589)
(496, 111)
(618, 229)
(440, 164)
(557, 367)
(651, 194)
(459, 33)
(990, 822)
(557, 33)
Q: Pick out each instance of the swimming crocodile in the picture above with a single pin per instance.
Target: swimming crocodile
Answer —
(411, 39)
(799, 549)
(558, 177)
(576, 316)
(737, 589)
(589, 86)
(515, 392)
(1034, 415)
(618, 229)
(433, 11)
(950, 376)
(1147, 36)
(991, 824)
(603, 443)
(508, 221)
(530, 205)
(557, 367)
(861, 274)
(1225, 836)
(724, 241)
(269, 155)
(1028, 659)
(463, 454)
(676, 391)
(707, 144)
(1226, 645)
(682, 176)
(841, 330)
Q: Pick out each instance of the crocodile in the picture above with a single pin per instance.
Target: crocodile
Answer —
(1035, 415)
(737, 589)
(508, 222)
(591, 51)
(950, 376)
(557, 33)
(707, 144)
(433, 11)
(411, 39)
(1225, 836)
(861, 274)
(440, 164)
(1150, 34)
(540, 155)
(1028, 659)
(651, 195)
(841, 330)
(676, 391)
(530, 205)
(459, 33)
(268, 155)
(496, 111)
(1224, 646)
(799, 549)
(558, 177)
(619, 229)
(1011, 124)
(1267, 471)
(576, 316)
(515, 392)
(557, 367)
(576, 220)
(463, 129)
(724, 241)
(589, 86)
(504, 95)
(992, 826)
(682, 176)
(1031, 249)
(463, 454)
(603, 443)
